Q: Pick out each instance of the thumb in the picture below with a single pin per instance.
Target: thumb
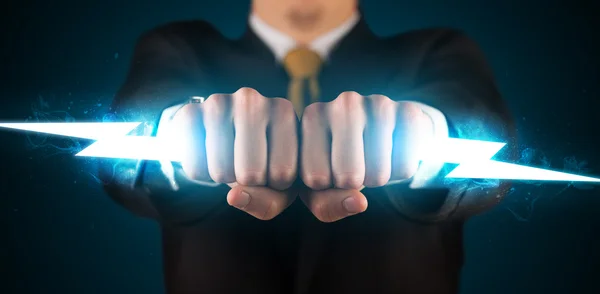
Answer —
(334, 204)
(261, 202)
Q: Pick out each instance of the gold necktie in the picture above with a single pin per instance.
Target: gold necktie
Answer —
(302, 65)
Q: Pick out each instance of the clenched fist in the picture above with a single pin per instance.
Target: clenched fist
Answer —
(355, 142)
(246, 141)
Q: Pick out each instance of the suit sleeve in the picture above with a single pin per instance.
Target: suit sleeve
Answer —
(163, 72)
(453, 77)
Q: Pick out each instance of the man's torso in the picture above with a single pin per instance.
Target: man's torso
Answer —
(378, 251)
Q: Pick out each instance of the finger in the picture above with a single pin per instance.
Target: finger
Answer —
(187, 135)
(378, 140)
(334, 204)
(315, 148)
(347, 119)
(261, 202)
(283, 144)
(250, 120)
(219, 138)
(412, 127)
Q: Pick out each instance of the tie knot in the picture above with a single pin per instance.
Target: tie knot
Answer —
(302, 63)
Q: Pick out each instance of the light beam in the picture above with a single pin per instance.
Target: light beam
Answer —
(83, 130)
(474, 157)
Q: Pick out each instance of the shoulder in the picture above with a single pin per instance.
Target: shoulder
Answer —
(193, 32)
(431, 40)
(428, 36)
(184, 29)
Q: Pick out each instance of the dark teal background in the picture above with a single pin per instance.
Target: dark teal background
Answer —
(61, 234)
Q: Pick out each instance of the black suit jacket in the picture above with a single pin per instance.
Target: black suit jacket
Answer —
(407, 244)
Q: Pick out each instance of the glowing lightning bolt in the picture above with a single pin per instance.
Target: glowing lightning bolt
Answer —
(474, 158)
(92, 131)
(112, 140)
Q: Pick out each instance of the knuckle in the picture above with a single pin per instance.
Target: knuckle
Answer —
(249, 103)
(348, 181)
(378, 99)
(347, 100)
(251, 178)
(281, 178)
(283, 109)
(316, 181)
(247, 92)
(349, 96)
(381, 107)
(216, 104)
(313, 112)
(409, 111)
(221, 177)
(312, 119)
(348, 107)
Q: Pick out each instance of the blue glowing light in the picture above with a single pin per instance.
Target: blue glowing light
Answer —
(474, 157)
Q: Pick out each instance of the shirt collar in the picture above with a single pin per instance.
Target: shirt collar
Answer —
(280, 43)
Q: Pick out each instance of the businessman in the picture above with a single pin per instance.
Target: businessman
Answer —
(309, 103)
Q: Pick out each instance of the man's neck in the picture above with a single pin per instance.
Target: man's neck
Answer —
(303, 36)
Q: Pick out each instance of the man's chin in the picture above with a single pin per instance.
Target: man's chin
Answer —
(305, 20)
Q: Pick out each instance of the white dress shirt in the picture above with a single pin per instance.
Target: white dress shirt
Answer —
(280, 44)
